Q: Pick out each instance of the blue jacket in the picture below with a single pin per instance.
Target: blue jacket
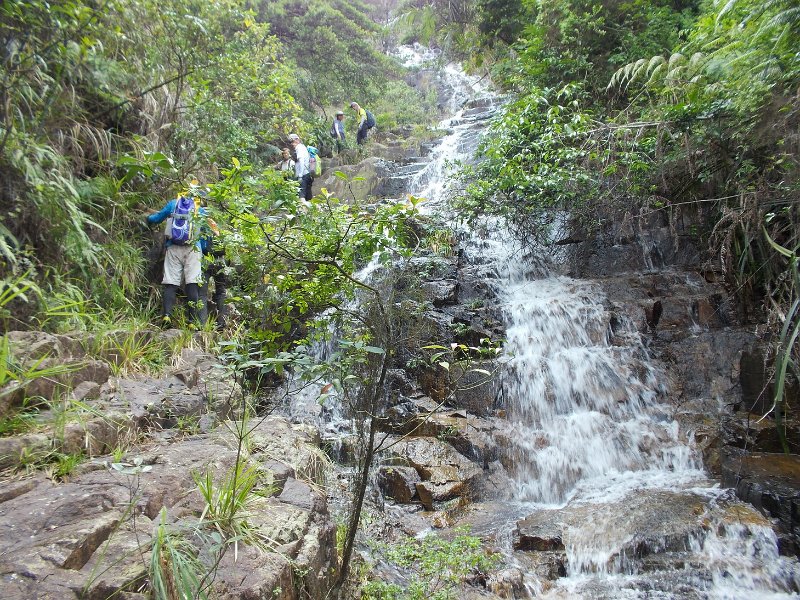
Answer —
(169, 208)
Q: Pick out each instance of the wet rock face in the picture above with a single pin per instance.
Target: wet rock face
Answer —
(771, 483)
(399, 483)
(445, 473)
(91, 537)
(654, 528)
(713, 364)
(633, 244)
(449, 305)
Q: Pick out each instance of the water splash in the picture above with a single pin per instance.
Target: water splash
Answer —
(583, 407)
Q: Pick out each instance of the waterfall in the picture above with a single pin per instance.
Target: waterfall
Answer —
(596, 452)
(585, 411)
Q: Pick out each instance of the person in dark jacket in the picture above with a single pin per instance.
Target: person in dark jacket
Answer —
(214, 267)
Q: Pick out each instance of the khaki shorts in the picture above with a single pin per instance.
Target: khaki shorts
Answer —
(182, 262)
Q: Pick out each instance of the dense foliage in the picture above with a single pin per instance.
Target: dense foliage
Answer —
(108, 108)
(435, 568)
(330, 42)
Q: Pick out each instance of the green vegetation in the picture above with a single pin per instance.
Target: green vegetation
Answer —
(175, 571)
(657, 112)
(227, 502)
(107, 107)
(436, 568)
(643, 109)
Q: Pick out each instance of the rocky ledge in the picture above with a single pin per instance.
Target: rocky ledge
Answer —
(92, 537)
(140, 449)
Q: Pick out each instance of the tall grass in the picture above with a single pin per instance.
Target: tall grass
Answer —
(175, 571)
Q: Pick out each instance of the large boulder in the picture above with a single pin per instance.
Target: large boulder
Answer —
(399, 483)
(363, 181)
(446, 474)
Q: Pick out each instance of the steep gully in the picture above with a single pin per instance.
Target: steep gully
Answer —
(605, 494)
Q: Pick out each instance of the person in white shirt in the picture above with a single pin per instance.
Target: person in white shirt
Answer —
(302, 170)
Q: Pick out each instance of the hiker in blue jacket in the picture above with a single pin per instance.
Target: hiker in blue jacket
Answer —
(183, 257)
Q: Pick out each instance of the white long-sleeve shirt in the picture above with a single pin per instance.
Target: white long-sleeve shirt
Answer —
(301, 166)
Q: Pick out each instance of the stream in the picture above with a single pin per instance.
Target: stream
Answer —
(601, 473)
(606, 498)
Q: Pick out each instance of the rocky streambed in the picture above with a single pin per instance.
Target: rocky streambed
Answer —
(697, 505)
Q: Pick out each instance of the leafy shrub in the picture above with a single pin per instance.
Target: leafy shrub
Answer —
(436, 568)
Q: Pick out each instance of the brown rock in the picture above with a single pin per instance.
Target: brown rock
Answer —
(29, 445)
(446, 473)
(771, 482)
(300, 494)
(254, 575)
(425, 496)
(399, 483)
(11, 489)
(86, 390)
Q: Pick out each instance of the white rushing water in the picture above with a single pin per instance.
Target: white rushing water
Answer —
(592, 438)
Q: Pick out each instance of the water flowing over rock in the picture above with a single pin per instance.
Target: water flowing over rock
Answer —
(622, 361)
(585, 454)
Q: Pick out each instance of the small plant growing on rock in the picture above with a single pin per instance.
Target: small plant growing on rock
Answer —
(63, 465)
(436, 568)
(175, 571)
(441, 241)
(228, 503)
(18, 422)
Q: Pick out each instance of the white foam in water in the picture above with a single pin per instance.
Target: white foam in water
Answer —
(583, 407)
(591, 432)
(592, 437)
(416, 55)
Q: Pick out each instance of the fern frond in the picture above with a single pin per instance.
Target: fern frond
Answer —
(725, 10)
(790, 17)
(676, 59)
(8, 245)
(654, 76)
(656, 62)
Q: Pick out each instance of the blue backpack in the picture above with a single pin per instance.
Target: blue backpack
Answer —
(314, 162)
(370, 120)
(180, 225)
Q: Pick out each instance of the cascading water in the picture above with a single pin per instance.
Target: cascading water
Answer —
(593, 445)
(596, 450)
(585, 410)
